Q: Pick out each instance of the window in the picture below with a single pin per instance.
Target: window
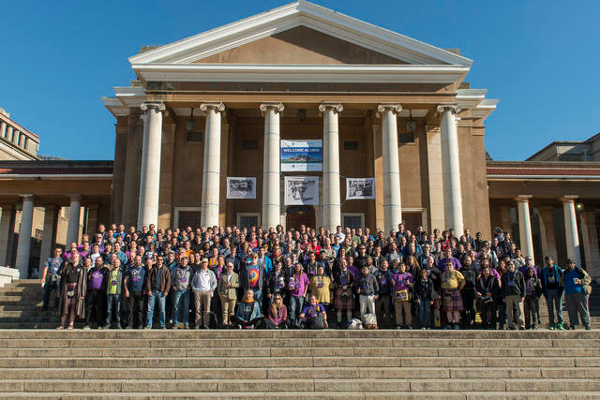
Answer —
(353, 220)
(247, 220)
(195, 137)
(406, 138)
(250, 145)
(351, 145)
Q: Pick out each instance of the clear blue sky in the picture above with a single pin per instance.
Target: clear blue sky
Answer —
(540, 58)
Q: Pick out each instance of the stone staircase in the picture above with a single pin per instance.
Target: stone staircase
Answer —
(300, 364)
(435, 364)
(20, 302)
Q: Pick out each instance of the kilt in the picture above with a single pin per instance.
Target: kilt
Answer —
(72, 301)
(455, 303)
(340, 303)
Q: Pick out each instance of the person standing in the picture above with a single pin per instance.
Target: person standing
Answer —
(452, 283)
(204, 283)
(577, 289)
(533, 291)
(553, 290)
(73, 285)
(513, 295)
(384, 300)
(298, 286)
(181, 277)
(227, 289)
(158, 284)
(51, 278)
(114, 285)
(133, 286)
(368, 290)
(95, 301)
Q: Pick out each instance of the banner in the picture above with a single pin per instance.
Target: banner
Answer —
(241, 188)
(360, 188)
(304, 155)
(302, 190)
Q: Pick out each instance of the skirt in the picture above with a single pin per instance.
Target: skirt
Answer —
(72, 301)
(452, 300)
(343, 302)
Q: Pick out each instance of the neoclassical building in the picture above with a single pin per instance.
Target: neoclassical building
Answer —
(366, 103)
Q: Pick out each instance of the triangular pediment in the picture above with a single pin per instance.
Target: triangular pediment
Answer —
(300, 45)
(299, 33)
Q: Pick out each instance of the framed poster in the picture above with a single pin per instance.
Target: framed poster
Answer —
(360, 188)
(301, 190)
(306, 155)
(241, 188)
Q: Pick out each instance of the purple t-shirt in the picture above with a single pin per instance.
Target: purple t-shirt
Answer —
(312, 311)
(402, 281)
(297, 284)
(96, 280)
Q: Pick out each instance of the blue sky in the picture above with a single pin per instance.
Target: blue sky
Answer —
(540, 58)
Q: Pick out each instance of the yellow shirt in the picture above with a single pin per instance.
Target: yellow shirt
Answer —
(112, 282)
(452, 279)
(319, 286)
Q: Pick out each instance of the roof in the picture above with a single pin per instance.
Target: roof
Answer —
(567, 142)
(55, 167)
(542, 170)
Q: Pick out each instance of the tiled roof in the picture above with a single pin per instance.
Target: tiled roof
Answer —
(542, 168)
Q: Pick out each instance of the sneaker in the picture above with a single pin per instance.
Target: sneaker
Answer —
(552, 327)
(572, 327)
(186, 327)
(448, 326)
(106, 327)
(521, 328)
(456, 327)
(147, 328)
(587, 327)
(86, 328)
(119, 327)
(398, 327)
(423, 328)
(559, 326)
(175, 327)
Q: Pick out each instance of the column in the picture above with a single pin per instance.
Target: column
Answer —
(211, 172)
(24, 244)
(49, 235)
(436, 182)
(451, 168)
(332, 209)
(7, 223)
(525, 236)
(392, 211)
(548, 238)
(271, 201)
(74, 214)
(2, 129)
(150, 169)
(571, 233)
(589, 234)
(9, 133)
(91, 226)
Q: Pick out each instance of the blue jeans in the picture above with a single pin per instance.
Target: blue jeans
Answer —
(554, 302)
(181, 296)
(258, 296)
(156, 295)
(296, 304)
(113, 305)
(424, 308)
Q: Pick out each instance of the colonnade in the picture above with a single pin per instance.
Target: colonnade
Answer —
(271, 198)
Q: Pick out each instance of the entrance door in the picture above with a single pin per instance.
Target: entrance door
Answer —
(300, 215)
(412, 220)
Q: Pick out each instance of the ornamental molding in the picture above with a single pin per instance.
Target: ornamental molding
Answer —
(393, 107)
(335, 107)
(153, 106)
(453, 108)
(277, 107)
(217, 107)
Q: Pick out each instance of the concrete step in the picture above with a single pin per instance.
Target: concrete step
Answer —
(299, 385)
(178, 361)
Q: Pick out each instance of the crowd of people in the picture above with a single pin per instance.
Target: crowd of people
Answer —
(226, 277)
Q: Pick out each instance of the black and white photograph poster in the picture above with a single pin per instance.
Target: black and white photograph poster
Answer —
(241, 188)
(360, 188)
(301, 190)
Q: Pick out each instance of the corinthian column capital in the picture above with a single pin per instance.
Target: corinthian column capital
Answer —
(335, 107)
(158, 106)
(277, 107)
(394, 108)
(453, 108)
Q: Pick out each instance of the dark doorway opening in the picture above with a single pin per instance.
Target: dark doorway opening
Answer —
(300, 215)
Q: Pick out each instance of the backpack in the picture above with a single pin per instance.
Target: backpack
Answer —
(583, 275)
(369, 321)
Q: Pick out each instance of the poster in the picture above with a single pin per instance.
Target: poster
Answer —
(241, 188)
(360, 188)
(302, 190)
(306, 155)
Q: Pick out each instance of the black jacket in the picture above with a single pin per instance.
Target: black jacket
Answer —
(424, 290)
(491, 284)
(513, 283)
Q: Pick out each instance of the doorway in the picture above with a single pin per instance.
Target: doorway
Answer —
(300, 215)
